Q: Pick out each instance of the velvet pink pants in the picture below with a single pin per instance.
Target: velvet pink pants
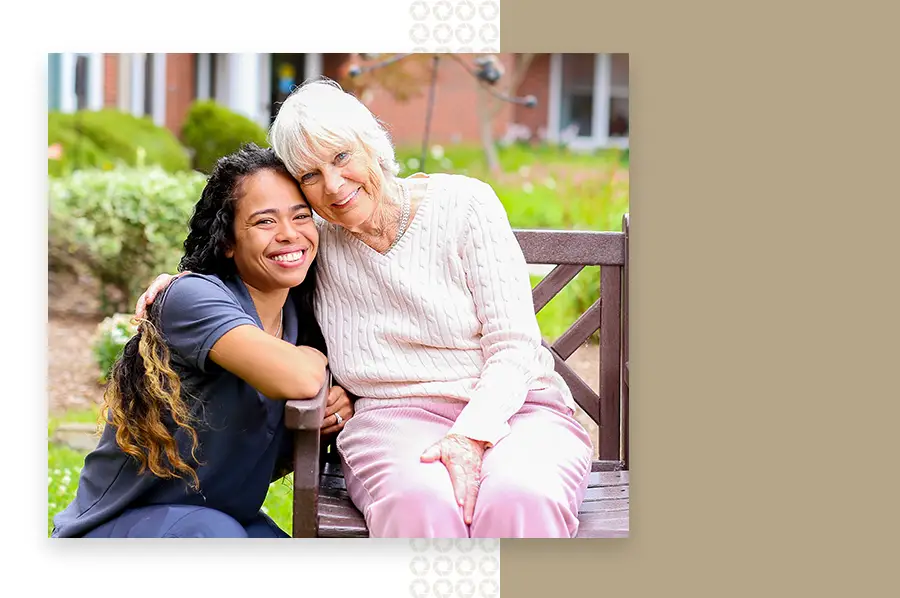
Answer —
(533, 480)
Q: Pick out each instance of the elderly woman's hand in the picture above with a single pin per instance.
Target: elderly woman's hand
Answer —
(462, 457)
(338, 403)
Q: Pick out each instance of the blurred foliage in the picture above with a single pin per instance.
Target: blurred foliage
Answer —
(211, 131)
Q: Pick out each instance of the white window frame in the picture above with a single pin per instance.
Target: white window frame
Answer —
(602, 93)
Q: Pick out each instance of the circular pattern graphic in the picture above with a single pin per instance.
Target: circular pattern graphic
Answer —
(419, 10)
(465, 588)
(443, 10)
(465, 33)
(443, 33)
(443, 565)
(489, 566)
(489, 588)
(489, 10)
(465, 565)
(465, 10)
(419, 33)
(419, 565)
(489, 33)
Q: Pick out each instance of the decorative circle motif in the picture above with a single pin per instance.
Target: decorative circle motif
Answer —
(489, 33)
(443, 10)
(489, 588)
(489, 544)
(465, 10)
(419, 33)
(419, 565)
(465, 33)
(489, 566)
(443, 33)
(443, 544)
(489, 10)
(465, 565)
(465, 588)
(443, 565)
(443, 588)
(419, 588)
(419, 10)
(419, 544)
(465, 545)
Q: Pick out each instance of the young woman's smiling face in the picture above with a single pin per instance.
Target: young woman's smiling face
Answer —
(275, 236)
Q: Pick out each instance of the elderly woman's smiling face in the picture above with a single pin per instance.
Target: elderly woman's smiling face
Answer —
(342, 188)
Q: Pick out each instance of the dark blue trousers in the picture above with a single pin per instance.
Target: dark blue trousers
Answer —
(181, 521)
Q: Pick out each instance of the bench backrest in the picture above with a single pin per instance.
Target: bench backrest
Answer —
(570, 252)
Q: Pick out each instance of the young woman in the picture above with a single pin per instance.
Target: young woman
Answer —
(195, 407)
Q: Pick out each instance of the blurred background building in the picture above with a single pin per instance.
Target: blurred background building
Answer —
(582, 99)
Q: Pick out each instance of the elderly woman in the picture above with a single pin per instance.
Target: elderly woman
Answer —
(462, 427)
(195, 406)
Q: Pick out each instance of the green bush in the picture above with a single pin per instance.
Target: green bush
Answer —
(124, 225)
(109, 138)
(109, 340)
(212, 131)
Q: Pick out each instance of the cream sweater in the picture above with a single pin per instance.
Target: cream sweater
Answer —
(445, 315)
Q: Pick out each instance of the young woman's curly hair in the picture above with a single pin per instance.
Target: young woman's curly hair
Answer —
(144, 399)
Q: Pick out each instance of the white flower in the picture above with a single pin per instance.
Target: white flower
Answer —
(437, 152)
(66, 480)
(550, 182)
(527, 187)
(412, 163)
(63, 489)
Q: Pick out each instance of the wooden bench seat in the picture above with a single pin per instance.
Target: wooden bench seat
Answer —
(322, 507)
(603, 514)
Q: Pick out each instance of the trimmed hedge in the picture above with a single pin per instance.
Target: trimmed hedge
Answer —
(108, 138)
(211, 131)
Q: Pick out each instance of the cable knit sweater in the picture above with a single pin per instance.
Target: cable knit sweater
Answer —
(447, 314)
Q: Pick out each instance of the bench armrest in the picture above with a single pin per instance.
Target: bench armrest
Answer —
(306, 414)
(304, 419)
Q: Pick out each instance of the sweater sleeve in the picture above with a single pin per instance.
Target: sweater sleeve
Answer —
(497, 276)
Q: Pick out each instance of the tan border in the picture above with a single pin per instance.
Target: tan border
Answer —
(764, 299)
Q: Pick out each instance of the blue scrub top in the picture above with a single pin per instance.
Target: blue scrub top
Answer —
(242, 438)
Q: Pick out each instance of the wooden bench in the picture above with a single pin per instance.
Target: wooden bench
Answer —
(322, 507)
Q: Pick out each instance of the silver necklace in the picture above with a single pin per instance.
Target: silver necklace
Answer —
(404, 216)
(280, 322)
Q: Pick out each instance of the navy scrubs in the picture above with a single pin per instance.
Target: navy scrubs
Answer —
(242, 439)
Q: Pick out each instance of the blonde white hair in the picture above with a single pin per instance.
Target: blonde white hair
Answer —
(318, 120)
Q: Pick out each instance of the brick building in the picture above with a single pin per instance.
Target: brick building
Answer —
(582, 98)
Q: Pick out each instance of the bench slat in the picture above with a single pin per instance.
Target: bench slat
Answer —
(580, 331)
(552, 284)
(581, 248)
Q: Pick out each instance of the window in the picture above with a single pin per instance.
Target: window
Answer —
(618, 96)
(577, 98)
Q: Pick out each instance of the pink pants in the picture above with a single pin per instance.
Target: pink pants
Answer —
(533, 480)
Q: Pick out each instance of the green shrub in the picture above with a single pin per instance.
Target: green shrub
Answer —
(124, 225)
(108, 138)
(109, 340)
(212, 131)
(78, 151)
